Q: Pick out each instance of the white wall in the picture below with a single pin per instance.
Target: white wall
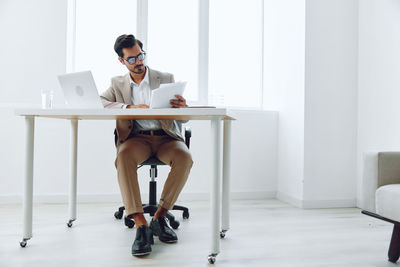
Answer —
(330, 126)
(33, 52)
(379, 78)
(352, 75)
(33, 43)
(311, 79)
(284, 25)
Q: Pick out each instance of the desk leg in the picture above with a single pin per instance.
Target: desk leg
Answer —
(215, 190)
(28, 181)
(226, 178)
(73, 172)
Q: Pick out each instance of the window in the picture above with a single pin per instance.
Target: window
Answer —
(98, 24)
(235, 64)
(231, 50)
(173, 41)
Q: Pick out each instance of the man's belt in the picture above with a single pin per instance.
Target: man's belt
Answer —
(159, 132)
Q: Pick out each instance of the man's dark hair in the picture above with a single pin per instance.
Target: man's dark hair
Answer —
(126, 41)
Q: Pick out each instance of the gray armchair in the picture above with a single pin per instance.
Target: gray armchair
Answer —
(381, 193)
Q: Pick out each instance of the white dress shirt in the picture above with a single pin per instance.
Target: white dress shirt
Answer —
(141, 94)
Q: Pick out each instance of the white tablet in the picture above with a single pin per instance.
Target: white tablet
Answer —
(161, 96)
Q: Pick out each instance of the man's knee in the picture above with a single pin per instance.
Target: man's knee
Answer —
(125, 156)
(184, 157)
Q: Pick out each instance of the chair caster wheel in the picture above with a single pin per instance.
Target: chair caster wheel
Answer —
(23, 242)
(69, 223)
(185, 215)
(211, 259)
(222, 233)
(129, 223)
(118, 215)
(174, 224)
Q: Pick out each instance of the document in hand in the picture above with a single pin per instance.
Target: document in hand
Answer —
(160, 97)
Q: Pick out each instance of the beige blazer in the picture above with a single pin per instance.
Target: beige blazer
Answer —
(119, 94)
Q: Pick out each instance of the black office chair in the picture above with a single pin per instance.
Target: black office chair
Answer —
(152, 206)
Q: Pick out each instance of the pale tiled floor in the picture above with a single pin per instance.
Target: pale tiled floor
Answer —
(263, 233)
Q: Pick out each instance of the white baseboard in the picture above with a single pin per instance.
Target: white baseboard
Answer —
(99, 198)
(62, 198)
(253, 195)
(329, 203)
(318, 203)
(289, 199)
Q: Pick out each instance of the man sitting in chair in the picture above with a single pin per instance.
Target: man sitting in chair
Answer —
(137, 140)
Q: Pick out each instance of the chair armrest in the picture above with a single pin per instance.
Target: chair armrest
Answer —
(188, 134)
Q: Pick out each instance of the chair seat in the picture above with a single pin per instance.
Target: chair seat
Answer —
(388, 201)
(153, 161)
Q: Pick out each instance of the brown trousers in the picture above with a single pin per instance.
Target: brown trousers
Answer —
(139, 148)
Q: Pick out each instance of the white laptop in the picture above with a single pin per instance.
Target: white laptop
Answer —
(80, 90)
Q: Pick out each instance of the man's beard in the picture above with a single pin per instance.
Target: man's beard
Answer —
(139, 69)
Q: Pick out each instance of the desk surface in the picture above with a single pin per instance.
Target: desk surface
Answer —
(129, 114)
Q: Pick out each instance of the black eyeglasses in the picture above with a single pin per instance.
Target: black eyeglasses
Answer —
(132, 60)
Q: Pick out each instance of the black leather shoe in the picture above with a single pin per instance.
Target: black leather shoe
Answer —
(161, 229)
(143, 241)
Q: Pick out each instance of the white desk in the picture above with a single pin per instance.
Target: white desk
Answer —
(221, 157)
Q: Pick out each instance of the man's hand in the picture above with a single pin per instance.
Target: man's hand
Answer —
(178, 103)
(138, 106)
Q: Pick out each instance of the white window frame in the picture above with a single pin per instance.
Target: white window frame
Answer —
(204, 11)
(71, 35)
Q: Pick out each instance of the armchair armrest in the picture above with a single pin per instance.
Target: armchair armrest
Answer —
(379, 169)
(369, 182)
